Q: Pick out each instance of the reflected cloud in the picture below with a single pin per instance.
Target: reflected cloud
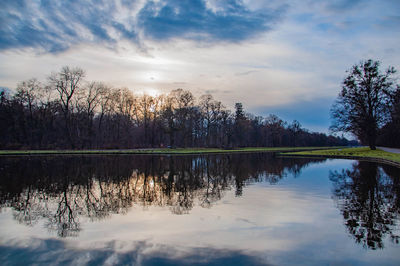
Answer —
(197, 210)
(64, 190)
(139, 253)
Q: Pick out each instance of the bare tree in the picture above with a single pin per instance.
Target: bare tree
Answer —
(67, 82)
(363, 104)
(185, 102)
(28, 92)
(92, 96)
(205, 104)
(295, 128)
(145, 107)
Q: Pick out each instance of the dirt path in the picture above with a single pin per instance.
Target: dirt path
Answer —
(393, 150)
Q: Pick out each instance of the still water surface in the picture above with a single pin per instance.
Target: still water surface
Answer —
(237, 209)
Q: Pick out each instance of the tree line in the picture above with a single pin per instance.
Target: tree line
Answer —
(68, 111)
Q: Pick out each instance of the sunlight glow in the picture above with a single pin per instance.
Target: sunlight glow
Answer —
(149, 91)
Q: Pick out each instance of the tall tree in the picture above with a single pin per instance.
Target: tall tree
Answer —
(27, 95)
(363, 104)
(240, 124)
(67, 82)
(91, 99)
(295, 128)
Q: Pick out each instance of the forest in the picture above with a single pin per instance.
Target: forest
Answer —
(68, 112)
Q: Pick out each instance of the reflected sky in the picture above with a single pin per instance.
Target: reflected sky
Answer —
(268, 211)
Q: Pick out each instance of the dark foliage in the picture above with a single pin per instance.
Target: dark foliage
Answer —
(70, 113)
(366, 103)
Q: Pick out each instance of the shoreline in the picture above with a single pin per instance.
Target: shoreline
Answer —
(156, 151)
(361, 154)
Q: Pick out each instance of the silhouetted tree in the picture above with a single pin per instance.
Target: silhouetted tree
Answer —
(67, 83)
(295, 129)
(364, 102)
(241, 124)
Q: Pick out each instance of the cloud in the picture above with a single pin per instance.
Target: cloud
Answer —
(201, 20)
(246, 73)
(55, 26)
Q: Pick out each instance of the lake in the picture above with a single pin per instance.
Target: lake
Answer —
(225, 209)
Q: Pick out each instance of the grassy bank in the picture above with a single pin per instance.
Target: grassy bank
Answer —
(158, 151)
(352, 153)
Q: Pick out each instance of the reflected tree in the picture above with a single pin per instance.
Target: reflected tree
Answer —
(63, 191)
(368, 198)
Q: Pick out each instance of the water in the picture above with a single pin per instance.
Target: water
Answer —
(238, 209)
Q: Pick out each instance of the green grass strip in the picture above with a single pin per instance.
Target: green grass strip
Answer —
(362, 152)
(157, 151)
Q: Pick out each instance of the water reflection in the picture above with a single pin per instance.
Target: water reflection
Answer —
(64, 190)
(368, 196)
(36, 253)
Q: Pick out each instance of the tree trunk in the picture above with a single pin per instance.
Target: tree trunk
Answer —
(371, 142)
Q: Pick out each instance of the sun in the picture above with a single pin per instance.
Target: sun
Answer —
(150, 92)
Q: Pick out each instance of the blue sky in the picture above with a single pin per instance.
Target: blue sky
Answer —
(283, 57)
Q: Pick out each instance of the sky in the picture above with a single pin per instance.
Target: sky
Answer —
(286, 57)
